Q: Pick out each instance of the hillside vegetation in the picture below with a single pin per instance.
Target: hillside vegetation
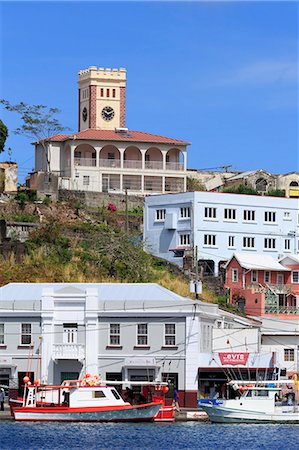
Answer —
(75, 245)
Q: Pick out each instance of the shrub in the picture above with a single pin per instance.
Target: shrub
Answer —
(112, 207)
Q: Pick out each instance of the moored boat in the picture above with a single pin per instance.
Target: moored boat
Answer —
(256, 404)
(79, 402)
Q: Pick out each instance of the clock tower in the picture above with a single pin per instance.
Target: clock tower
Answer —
(102, 98)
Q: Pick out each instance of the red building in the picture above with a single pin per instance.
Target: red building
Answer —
(264, 286)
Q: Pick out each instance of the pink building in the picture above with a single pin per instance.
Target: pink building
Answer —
(263, 286)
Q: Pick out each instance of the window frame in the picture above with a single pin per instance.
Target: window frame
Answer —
(235, 275)
(230, 212)
(184, 237)
(269, 215)
(289, 354)
(292, 277)
(210, 213)
(249, 215)
(163, 215)
(2, 333)
(185, 212)
(209, 240)
(142, 335)
(170, 335)
(248, 240)
(233, 242)
(23, 334)
(86, 180)
(269, 243)
(269, 279)
(114, 334)
(254, 276)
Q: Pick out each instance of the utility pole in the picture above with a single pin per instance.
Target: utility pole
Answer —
(196, 272)
(127, 213)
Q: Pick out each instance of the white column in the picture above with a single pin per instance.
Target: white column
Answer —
(97, 149)
(143, 152)
(122, 152)
(185, 160)
(73, 146)
(192, 352)
(164, 152)
(47, 325)
(92, 334)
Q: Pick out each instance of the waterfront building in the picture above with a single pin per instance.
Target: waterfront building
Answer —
(124, 332)
(263, 286)
(219, 225)
(104, 155)
(236, 354)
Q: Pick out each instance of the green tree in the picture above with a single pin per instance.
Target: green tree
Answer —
(3, 135)
(38, 122)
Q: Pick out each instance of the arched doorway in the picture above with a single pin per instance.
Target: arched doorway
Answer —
(261, 185)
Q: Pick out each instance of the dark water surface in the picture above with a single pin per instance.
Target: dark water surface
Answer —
(190, 435)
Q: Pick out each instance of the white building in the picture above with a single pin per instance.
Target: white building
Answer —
(282, 338)
(104, 155)
(219, 225)
(124, 332)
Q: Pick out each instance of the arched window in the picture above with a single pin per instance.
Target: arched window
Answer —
(294, 183)
(261, 184)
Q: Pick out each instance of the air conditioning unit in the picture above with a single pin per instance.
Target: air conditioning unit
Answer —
(121, 130)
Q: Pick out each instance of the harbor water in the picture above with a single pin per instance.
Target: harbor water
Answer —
(188, 435)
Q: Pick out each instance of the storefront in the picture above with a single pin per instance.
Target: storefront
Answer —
(215, 369)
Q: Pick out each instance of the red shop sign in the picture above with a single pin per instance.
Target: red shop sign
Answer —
(233, 358)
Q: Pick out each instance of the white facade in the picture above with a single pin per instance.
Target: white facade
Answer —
(134, 331)
(219, 225)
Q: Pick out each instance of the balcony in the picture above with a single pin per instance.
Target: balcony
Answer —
(272, 309)
(86, 162)
(132, 164)
(112, 163)
(174, 166)
(68, 351)
(153, 165)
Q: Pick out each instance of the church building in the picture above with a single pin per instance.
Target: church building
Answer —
(104, 155)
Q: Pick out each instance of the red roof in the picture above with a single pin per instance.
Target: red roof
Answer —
(111, 135)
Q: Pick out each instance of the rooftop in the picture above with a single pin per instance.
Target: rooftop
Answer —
(257, 262)
(113, 135)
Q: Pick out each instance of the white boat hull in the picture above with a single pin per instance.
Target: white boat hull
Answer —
(64, 414)
(221, 414)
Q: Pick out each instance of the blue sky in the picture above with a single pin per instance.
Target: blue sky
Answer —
(223, 76)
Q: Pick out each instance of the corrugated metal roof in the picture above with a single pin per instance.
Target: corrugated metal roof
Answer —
(258, 262)
(106, 291)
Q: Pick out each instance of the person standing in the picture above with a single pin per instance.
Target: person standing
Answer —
(176, 399)
(2, 399)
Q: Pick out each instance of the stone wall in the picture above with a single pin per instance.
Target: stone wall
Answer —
(99, 199)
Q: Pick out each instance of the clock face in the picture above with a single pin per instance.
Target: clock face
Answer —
(108, 113)
(84, 114)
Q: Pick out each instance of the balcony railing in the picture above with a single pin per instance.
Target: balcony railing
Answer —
(86, 162)
(110, 163)
(281, 309)
(132, 164)
(174, 166)
(68, 351)
(153, 165)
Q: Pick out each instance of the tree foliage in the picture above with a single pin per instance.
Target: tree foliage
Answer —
(3, 135)
(240, 189)
(38, 122)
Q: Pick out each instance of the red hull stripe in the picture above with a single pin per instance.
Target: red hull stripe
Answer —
(65, 409)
